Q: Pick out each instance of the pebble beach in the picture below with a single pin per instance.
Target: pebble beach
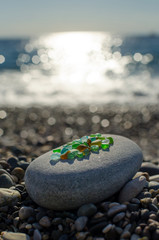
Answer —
(26, 133)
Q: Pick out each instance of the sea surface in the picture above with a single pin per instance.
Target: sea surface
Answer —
(79, 67)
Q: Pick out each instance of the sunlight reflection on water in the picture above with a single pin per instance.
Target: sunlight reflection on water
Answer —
(74, 67)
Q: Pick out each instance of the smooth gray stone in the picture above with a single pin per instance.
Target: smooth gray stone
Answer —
(68, 184)
(132, 189)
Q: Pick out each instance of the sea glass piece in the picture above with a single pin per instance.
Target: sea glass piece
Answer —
(106, 141)
(66, 148)
(101, 138)
(95, 148)
(93, 139)
(84, 139)
(70, 156)
(89, 142)
(98, 134)
(75, 145)
(111, 141)
(82, 147)
(55, 156)
(96, 142)
(104, 146)
(80, 154)
(57, 150)
(86, 152)
(92, 135)
(64, 156)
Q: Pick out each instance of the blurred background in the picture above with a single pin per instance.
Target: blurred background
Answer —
(70, 68)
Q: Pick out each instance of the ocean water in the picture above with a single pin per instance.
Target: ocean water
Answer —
(79, 67)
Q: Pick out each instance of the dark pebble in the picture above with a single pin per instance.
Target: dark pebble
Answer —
(13, 162)
(4, 164)
(144, 214)
(97, 228)
(87, 210)
(31, 231)
(31, 220)
(112, 235)
(55, 235)
(23, 165)
(40, 214)
(152, 207)
(134, 216)
(150, 168)
(15, 150)
(133, 207)
(5, 181)
(155, 235)
(64, 237)
(146, 232)
(21, 158)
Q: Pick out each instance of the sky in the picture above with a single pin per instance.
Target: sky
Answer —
(36, 17)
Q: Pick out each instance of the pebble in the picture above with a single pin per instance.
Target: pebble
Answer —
(132, 189)
(154, 178)
(18, 172)
(8, 197)
(155, 235)
(125, 234)
(152, 207)
(37, 235)
(134, 237)
(118, 217)
(144, 214)
(25, 212)
(4, 164)
(14, 236)
(153, 185)
(5, 181)
(87, 210)
(24, 165)
(45, 222)
(107, 228)
(98, 227)
(116, 209)
(132, 207)
(150, 168)
(139, 174)
(13, 162)
(64, 237)
(81, 235)
(89, 180)
(80, 223)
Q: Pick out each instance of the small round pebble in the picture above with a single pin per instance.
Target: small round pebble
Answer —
(116, 209)
(18, 172)
(45, 222)
(25, 212)
(87, 210)
(118, 217)
(80, 223)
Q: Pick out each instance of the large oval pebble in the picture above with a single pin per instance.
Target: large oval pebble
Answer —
(67, 184)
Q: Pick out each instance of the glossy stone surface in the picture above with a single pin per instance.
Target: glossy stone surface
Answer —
(67, 184)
